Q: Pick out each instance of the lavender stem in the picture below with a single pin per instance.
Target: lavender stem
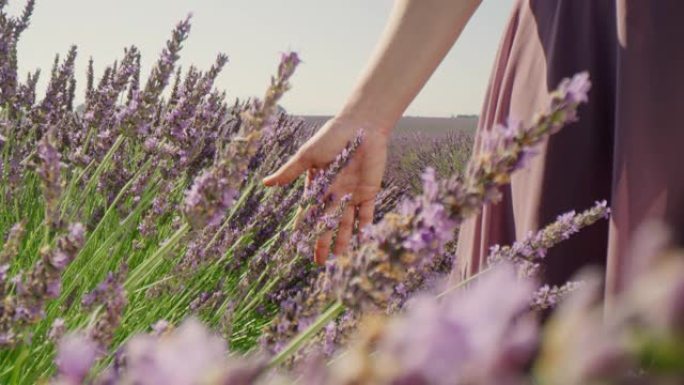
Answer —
(333, 311)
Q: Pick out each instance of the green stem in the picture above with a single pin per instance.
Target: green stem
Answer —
(253, 303)
(120, 196)
(19, 364)
(463, 283)
(92, 182)
(254, 285)
(151, 263)
(269, 285)
(333, 311)
(66, 196)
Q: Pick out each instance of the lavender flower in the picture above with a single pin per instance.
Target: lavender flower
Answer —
(528, 252)
(153, 360)
(111, 294)
(76, 355)
(43, 282)
(23, 21)
(26, 94)
(165, 65)
(90, 78)
(11, 247)
(461, 340)
(57, 96)
(161, 327)
(208, 200)
(57, 329)
(548, 297)
(477, 337)
(49, 168)
(579, 347)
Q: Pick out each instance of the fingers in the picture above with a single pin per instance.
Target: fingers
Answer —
(324, 241)
(323, 247)
(310, 176)
(289, 171)
(344, 233)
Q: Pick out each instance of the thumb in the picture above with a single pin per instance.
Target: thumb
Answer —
(287, 172)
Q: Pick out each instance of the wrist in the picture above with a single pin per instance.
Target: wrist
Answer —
(366, 120)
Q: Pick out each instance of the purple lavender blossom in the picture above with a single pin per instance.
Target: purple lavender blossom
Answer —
(152, 360)
(215, 189)
(160, 327)
(548, 297)
(474, 337)
(208, 200)
(529, 251)
(49, 168)
(35, 287)
(57, 329)
(76, 355)
(109, 293)
(577, 88)
(11, 247)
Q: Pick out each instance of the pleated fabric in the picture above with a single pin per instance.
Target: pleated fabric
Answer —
(627, 148)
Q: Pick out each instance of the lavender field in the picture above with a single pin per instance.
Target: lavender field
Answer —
(140, 246)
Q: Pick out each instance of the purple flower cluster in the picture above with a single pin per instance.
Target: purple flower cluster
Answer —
(49, 168)
(76, 354)
(189, 354)
(213, 192)
(11, 29)
(528, 252)
(110, 294)
(25, 304)
(478, 336)
(548, 297)
(475, 337)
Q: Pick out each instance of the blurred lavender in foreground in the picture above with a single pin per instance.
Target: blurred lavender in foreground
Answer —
(476, 336)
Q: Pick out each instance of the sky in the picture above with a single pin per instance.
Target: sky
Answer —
(334, 38)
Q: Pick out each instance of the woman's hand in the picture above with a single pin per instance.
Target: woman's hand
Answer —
(408, 52)
(361, 177)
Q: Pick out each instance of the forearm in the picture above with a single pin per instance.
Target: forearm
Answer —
(418, 35)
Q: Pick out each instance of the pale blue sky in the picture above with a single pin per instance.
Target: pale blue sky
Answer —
(333, 37)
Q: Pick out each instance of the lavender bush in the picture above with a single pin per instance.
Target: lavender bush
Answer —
(142, 205)
(141, 248)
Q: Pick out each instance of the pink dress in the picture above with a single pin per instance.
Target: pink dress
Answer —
(627, 148)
